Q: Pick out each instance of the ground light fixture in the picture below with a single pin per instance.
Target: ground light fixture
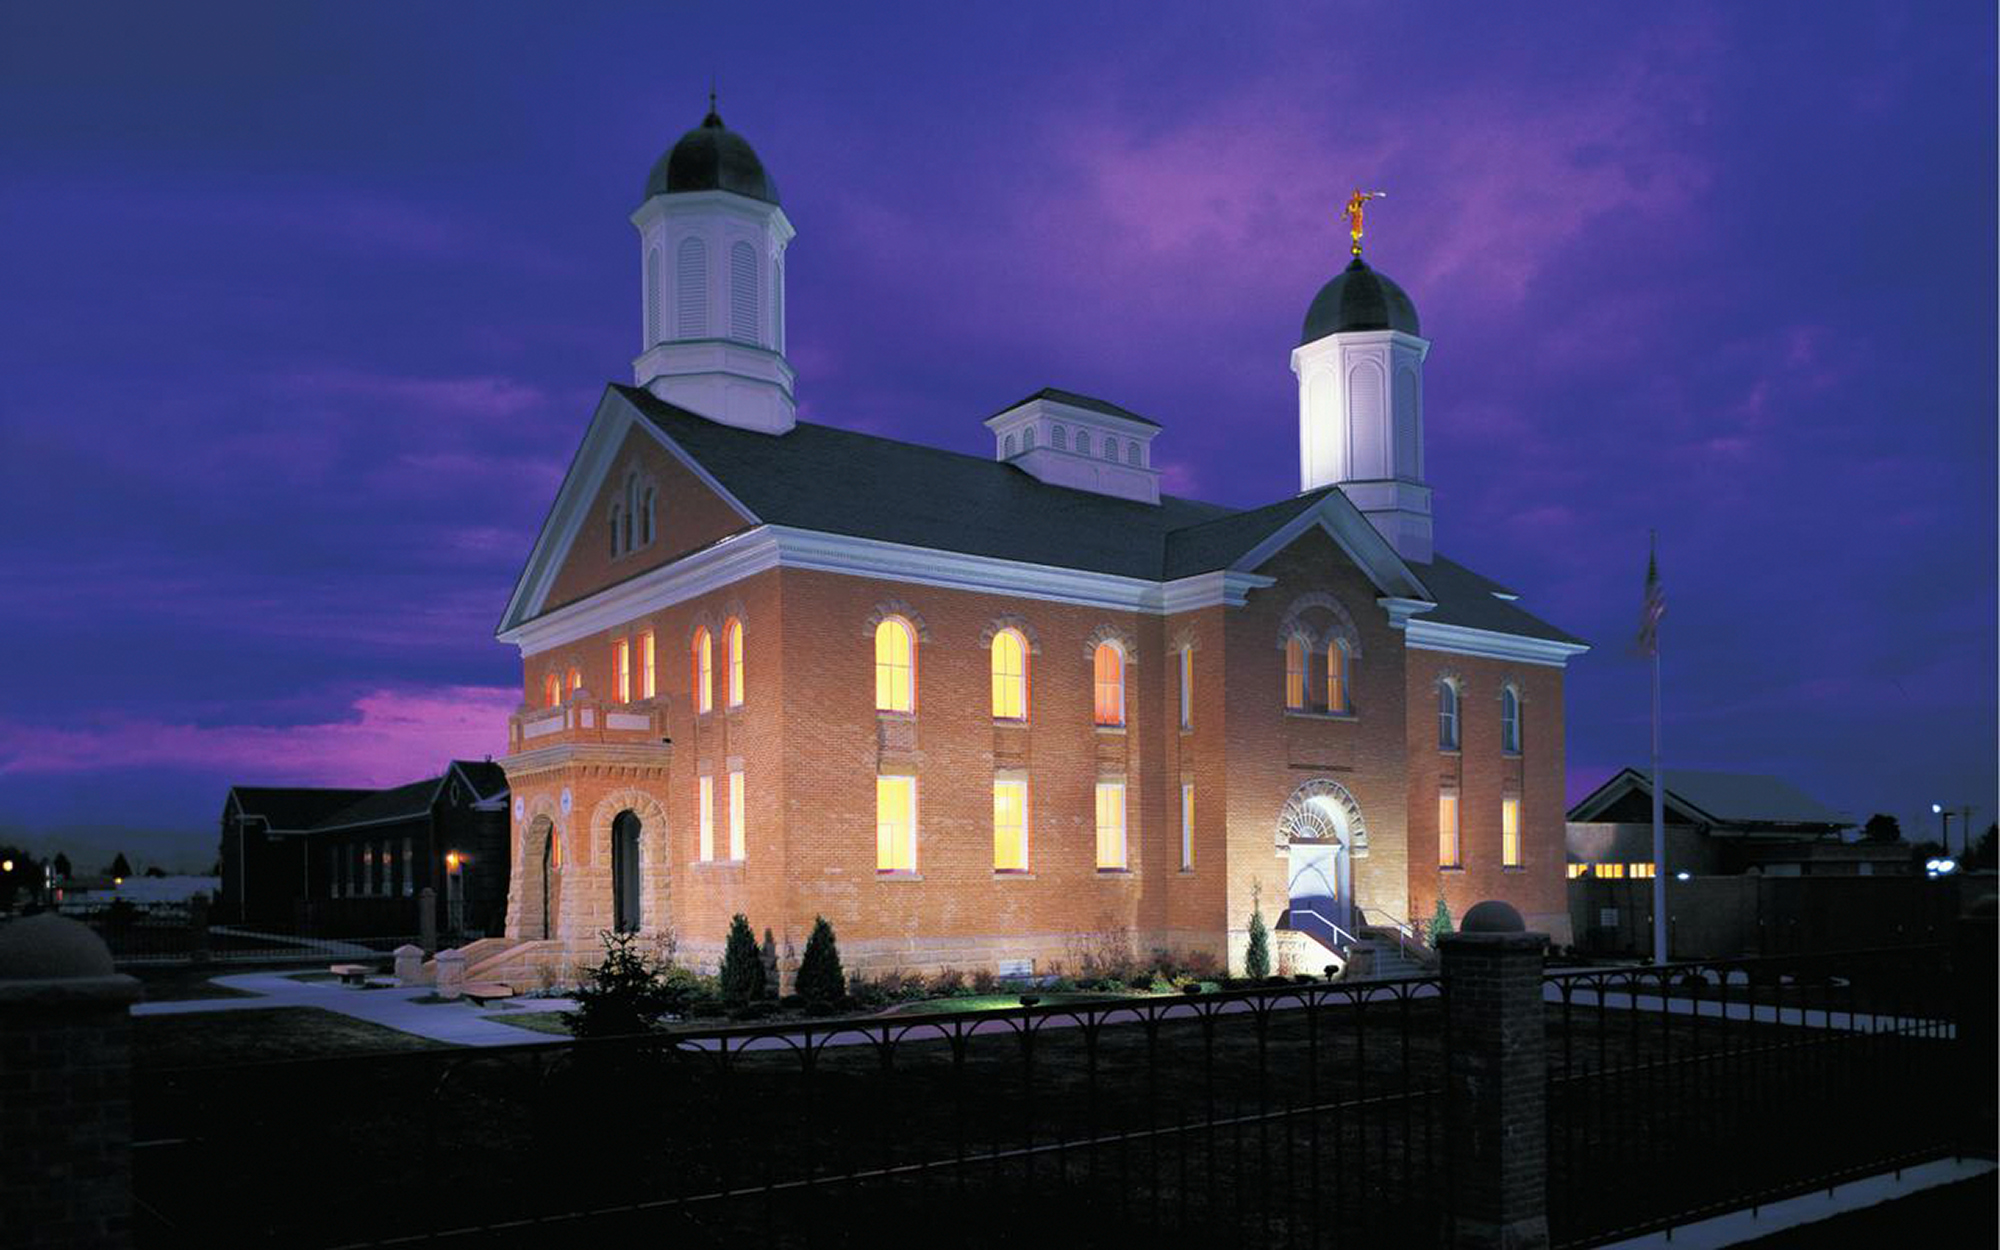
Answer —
(1683, 876)
(1940, 867)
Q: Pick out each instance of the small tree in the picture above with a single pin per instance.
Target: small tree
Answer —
(119, 867)
(1440, 921)
(1257, 960)
(742, 979)
(62, 867)
(1982, 855)
(1882, 827)
(820, 978)
(625, 993)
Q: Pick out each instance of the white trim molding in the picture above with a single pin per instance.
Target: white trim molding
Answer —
(1464, 640)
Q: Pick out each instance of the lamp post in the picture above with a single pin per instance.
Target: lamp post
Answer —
(1944, 815)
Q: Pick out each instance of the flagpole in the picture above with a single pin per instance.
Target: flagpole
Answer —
(1659, 790)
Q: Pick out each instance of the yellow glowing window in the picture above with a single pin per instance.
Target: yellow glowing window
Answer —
(1187, 826)
(707, 823)
(1609, 872)
(736, 838)
(552, 691)
(1187, 687)
(622, 667)
(1111, 825)
(895, 824)
(1448, 830)
(1336, 676)
(732, 639)
(1295, 674)
(1510, 833)
(1010, 676)
(648, 669)
(895, 666)
(1010, 826)
(1578, 870)
(703, 662)
(1109, 666)
(1638, 870)
(575, 680)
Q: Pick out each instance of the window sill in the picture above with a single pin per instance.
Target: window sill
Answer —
(710, 865)
(1013, 874)
(1110, 731)
(1453, 752)
(1010, 722)
(1187, 872)
(1114, 872)
(883, 713)
(897, 874)
(1451, 867)
(1312, 714)
(1513, 868)
(1510, 755)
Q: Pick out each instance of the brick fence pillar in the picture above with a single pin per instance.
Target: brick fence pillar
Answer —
(65, 1088)
(1496, 1082)
(427, 918)
(1977, 973)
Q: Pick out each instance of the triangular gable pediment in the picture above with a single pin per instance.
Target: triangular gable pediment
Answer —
(1359, 541)
(595, 460)
(1629, 781)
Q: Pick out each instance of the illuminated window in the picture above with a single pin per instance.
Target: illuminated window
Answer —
(1110, 825)
(1448, 830)
(736, 814)
(1336, 676)
(895, 824)
(1510, 832)
(703, 659)
(1295, 674)
(552, 691)
(1447, 715)
(732, 641)
(1010, 825)
(1578, 870)
(1109, 664)
(1187, 687)
(1187, 826)
(707, 799)
(1510, 720)
(1639, 870)
(621, 669)
(575, 680)
(648, 669)
(895, 666)
(1608, 872)
(1010, 676)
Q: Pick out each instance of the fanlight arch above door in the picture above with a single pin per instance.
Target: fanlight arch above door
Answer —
(1323, 810)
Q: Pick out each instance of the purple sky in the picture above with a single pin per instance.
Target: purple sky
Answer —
(307, 307)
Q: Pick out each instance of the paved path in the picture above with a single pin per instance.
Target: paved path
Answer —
(460, 1023)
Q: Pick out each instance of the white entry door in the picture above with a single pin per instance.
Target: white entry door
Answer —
(1318, 886)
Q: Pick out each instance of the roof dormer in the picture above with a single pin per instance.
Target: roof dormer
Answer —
(1072, 440)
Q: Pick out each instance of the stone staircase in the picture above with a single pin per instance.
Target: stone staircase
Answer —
(516, 962)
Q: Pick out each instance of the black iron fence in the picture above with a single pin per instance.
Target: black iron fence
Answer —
(1686, 1090)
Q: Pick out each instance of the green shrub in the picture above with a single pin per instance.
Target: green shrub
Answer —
(820, 978)
(1440, 921)
(1257, 960)
(742, 978)
(627, 992)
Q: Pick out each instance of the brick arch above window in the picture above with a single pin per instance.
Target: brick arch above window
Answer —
(1019, 625)
(1184, 639)
(1514, 683)
(895, 607)
(1297, 623)
(1112, 634)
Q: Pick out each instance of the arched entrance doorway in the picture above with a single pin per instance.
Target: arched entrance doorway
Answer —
(625, 872)
(1321, 834)
(542, 862)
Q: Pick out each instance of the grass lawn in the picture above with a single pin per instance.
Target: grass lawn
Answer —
(223, 1037)
(535, 1021)
(995, 1002)
(174, 983)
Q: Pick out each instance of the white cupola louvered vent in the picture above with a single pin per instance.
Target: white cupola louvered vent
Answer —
(691, 290)
(1067, 439)
(742, 292)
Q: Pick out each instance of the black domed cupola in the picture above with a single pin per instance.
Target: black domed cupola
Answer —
(711, 157)
(1359, 298)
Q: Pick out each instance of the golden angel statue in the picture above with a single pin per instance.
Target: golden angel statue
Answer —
(1355, 204)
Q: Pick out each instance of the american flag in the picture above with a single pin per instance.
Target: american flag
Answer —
(1653, 608)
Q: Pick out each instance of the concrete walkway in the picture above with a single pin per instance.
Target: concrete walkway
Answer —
(459, 1023)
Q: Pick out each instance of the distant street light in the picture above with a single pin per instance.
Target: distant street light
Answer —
(1683, 876)
(6, 865)
(1944, 815)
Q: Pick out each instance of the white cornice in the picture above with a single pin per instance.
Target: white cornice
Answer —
(1464, 640)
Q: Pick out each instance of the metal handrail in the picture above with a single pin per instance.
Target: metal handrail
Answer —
(1339, 932)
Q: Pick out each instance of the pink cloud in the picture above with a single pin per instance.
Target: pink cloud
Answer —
(392, 736)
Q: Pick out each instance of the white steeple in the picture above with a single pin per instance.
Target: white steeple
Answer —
(1360, 366)
(712, 244)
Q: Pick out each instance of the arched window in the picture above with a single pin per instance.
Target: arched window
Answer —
(646, 518)
(1083, 442)
(1010, 676)
(1295, 674)
(704, 671)
(1028, 439)
(652, 296)
(1132, 453)
(552, 691)
(1059, 438)
(732, 641)
(1010, 446)
(625, 530)
(1447, 715)
(575, 680)
(743, 293)
(1111, 449)
(691, 290)
(616, 519)
(895, 666)
(1109, 666)
(1336, 676)
(1510, 720)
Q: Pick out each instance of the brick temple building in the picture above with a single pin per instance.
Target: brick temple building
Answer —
(993, 711)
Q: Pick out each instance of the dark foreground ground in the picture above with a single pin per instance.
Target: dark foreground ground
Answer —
(1963, 1214)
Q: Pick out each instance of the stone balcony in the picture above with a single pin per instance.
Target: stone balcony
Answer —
(585, 719)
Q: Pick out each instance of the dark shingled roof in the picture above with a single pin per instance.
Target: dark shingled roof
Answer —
(293, 807)
(1086, 402)
(830, 480)
(404, 802)
(1359, 298)
(486, 777)
(711, 157)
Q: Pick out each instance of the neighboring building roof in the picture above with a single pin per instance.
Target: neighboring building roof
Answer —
(292, 809)
(1086, 402)
(1359, 298)
(411, 801)
(1716, 798)
(486, 778)
(711, 157)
